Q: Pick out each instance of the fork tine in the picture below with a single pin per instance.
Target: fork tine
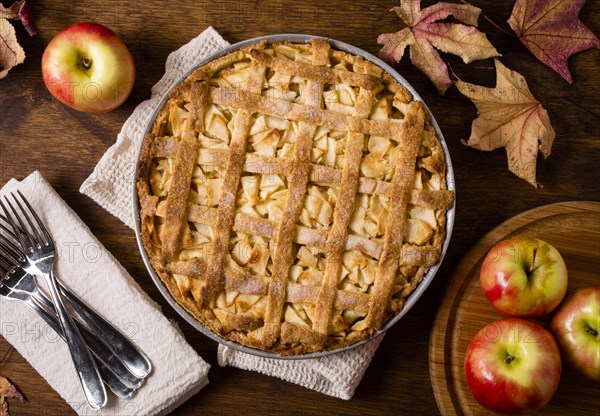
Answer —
(10, 250)
(6, 229)
(40, 224)
(5, 267)
(21, 235)
(5, 239)
(36, 235)
(11, 242)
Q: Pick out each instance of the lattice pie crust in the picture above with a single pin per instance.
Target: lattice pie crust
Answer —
(292, 196)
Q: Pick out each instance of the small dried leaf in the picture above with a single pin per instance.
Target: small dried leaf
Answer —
(27, 19)
(551, 30)
(509, 116)
(7, 390)
(11, 12)
(19, 10)
(424, 36)
(11, 53)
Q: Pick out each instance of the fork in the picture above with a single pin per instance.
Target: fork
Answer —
(14, 285)
(40, 252)
(22, 284)
(129, 354)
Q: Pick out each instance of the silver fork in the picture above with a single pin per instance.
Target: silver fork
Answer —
(14, 285)
(39, 249)
(22, 284)
(129, 354)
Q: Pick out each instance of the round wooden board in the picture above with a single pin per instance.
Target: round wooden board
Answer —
(574, 229)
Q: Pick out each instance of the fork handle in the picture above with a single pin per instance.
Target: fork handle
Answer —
(96, 346)
(126, 350)
(85, 366)
(112, 381)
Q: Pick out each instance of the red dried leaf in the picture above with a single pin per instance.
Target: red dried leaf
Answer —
(551, 30)
(509, 116)
(27, 19)
(424, 35)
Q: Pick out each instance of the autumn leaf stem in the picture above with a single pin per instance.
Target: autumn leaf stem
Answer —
(453, 75)
(496, 25)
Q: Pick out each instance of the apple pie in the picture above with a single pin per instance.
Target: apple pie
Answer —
(292, 196)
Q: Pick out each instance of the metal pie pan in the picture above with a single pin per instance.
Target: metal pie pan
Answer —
(410, 300)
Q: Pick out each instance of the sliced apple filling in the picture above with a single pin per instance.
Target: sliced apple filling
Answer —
(328, 147)
(317, 212)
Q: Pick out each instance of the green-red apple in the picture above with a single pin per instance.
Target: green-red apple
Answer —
(513, 366)
(524, 277)
(576, 326)
(88, 67)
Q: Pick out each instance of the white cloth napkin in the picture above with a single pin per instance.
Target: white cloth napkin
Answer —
(111, 186)
(337, 375)
(91, 272)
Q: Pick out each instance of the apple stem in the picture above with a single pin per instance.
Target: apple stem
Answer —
(533, 260)
(508, 359)
(86, 63)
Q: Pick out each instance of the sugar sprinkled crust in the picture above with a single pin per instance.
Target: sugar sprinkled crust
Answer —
(292, 196)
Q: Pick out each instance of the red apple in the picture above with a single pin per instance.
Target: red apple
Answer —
(523, 277)
(88, 67)
(513, 366)
(576, 326)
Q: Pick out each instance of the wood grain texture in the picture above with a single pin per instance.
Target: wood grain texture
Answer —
(37, 132)
(574, 229)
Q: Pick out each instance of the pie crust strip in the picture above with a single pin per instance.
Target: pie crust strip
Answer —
(411, 255)
(319, 174)
(242, 282)
(280, 108)
(337, 237)
(282, 258)
(176, 206)
(321, 74)
(231, 182)
(400, 196)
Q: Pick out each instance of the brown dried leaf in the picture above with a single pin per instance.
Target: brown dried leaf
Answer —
(423, 36)
(11, 53)
(509, 116)
(11, 12)
(7, 390)
(551, 30)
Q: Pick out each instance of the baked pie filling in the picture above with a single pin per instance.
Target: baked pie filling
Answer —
(292, 196)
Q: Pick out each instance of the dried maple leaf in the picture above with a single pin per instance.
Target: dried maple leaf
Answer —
(551, 30)
(10, 391)
(509, 116)
(11, 53)
(423, 35)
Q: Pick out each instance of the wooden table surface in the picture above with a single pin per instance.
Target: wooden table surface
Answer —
(39, 133)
